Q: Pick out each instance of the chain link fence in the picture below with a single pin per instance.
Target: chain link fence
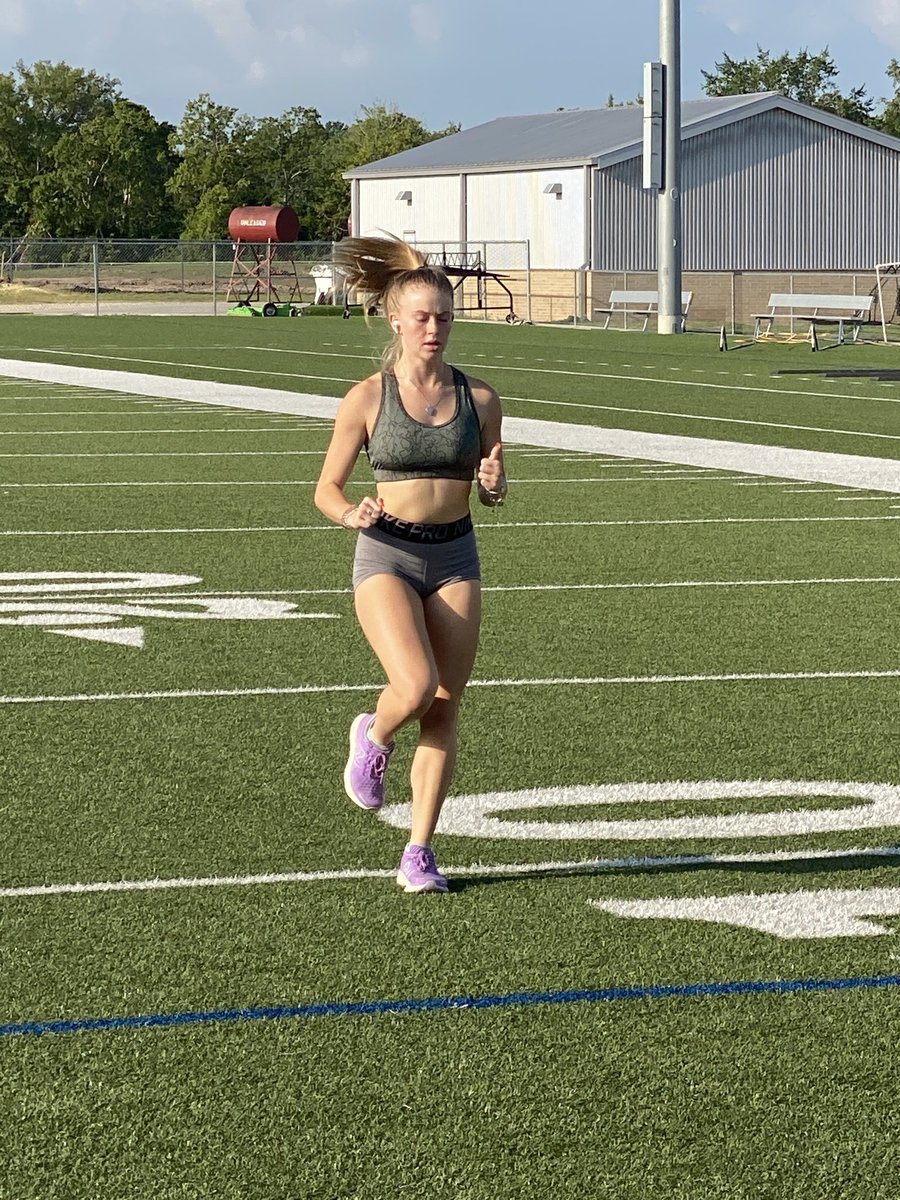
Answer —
(66, 275)
(207, 275)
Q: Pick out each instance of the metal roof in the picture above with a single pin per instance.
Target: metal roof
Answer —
(583, 137)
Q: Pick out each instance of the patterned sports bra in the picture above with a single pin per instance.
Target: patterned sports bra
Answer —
(403, 448)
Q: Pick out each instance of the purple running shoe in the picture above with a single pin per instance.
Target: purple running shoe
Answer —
(419, 872)
(364, 772)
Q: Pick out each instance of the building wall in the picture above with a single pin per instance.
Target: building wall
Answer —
(432, 216)
(513, 206)
(500, 207)
(776, 192)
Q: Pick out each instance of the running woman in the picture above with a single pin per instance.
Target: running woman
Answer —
(430, 432)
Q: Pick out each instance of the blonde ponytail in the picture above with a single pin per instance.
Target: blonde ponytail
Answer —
(381, 268)
(372, 264)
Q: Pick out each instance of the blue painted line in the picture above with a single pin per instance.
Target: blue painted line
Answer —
(367, 1008)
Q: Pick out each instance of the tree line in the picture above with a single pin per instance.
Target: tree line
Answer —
(809, 78)
(80, 160)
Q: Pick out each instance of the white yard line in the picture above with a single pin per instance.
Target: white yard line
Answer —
(499, 363)
(313, 689)
(476, 870)
(718, 420)
(365, 483)
(826, 581)
(689, 583)
(193, 530)
(246, 431)
(104, 412)
(172, 454)
(181, 483)
(875, 474)
(531, 400)
(495, 526)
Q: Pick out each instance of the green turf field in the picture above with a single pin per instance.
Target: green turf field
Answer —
(668, 965)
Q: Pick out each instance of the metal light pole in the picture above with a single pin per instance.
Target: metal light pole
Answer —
(669, 197)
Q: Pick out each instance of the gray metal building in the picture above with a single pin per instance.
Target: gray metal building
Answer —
(768, 185)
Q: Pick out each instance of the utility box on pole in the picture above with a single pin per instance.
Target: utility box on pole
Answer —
(653, 126)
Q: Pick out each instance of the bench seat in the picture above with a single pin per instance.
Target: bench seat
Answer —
(643, 305)
(814, 309)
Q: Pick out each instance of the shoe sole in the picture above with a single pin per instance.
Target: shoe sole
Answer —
(417, 888)
(348, 788)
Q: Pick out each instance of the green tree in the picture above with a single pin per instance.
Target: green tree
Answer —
(39, 105)
(889, 121)
(381, 130)
(108, 179)
(808, 78)
(12, 155)
(212, 175)
(333, 196)
(289, 158)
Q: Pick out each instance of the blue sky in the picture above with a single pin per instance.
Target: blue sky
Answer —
(457, 60)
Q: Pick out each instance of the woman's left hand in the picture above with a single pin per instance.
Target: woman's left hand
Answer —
(490, 471)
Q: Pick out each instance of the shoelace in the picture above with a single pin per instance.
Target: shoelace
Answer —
(375, 763)
(424, 860)
(378, 765)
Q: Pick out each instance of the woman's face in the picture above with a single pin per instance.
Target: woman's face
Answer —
(422, 318)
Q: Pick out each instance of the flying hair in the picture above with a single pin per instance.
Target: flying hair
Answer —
(382, 268)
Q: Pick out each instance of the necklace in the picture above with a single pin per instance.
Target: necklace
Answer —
(430, 408)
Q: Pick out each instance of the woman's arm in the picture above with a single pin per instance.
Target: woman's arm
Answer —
(347, 439)
(492, 485)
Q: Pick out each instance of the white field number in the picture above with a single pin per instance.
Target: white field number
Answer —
(820, 913)
(84, 604)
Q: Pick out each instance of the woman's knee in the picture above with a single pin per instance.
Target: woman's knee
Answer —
(442, 714)
(416, 693)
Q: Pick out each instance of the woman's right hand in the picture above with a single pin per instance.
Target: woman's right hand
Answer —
(367, 513)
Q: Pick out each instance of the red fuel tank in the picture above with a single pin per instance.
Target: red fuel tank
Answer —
(263, 223)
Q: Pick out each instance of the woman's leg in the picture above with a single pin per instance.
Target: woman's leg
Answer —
(392, 617)
(452, 618)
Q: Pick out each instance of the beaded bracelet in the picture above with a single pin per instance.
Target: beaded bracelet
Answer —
(498, 495)
(346, 514)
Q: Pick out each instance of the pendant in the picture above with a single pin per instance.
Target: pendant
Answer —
(431, 409)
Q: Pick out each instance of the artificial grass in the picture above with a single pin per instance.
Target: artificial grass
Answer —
(681, 1099)
(769, 394)
(733, 1097)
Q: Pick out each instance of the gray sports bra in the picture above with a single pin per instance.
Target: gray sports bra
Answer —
(403, 448)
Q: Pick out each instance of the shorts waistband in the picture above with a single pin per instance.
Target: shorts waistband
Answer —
(417, 531)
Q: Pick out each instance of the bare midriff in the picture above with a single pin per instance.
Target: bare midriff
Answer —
(429, 501)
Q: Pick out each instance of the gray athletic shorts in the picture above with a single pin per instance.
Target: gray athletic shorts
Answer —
(427, 557)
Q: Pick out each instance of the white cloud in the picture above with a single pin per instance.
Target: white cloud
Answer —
(426, 22)
(737, 17)
(357, 55)
(883, 18)
(13, 19)
(230, 20)
(807, 23)
(297, 33)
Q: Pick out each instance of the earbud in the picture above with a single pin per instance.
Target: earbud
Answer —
(396, 326)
